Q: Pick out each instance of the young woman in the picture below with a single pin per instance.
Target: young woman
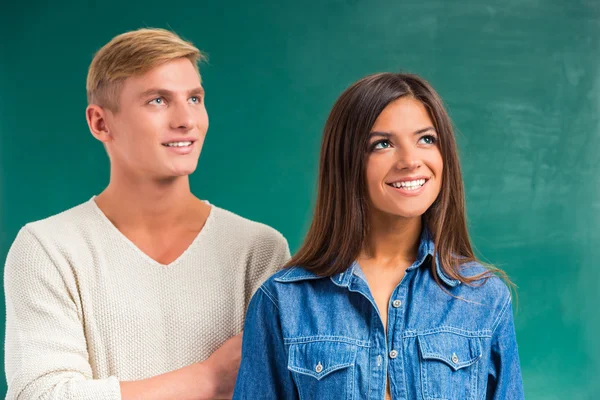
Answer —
(385, 298)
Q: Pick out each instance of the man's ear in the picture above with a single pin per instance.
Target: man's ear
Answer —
(96, 119)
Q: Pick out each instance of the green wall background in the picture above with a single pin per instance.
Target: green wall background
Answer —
(521, 79)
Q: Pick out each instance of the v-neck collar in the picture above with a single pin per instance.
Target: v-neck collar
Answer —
(145, 256)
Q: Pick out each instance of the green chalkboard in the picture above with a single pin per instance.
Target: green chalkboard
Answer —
(521, 79)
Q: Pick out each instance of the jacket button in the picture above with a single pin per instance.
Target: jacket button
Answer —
(393, 354)
(319, 368)
(454, 358)
(396, 303)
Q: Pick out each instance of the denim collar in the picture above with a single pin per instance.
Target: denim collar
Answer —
(426, 249)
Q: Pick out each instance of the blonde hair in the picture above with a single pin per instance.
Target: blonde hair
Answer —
(133, 53)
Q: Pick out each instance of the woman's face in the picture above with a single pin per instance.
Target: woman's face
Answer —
(404, 163)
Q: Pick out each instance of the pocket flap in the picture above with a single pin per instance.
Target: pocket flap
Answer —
(455, 350)
(319, 359)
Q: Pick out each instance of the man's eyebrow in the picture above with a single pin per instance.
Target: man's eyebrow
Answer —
(155, 92)
(197, 91)
(159, 92)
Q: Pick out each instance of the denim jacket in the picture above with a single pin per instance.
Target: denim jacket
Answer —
(312, 337)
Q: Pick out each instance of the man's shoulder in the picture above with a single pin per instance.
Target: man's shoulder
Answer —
(72, 219)
(63, 228)
(246, 231)
(48, 240)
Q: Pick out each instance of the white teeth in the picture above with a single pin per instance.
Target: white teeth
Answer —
(178, 144)
(410, 185)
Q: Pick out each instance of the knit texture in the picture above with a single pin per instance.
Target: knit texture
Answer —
(86, 308)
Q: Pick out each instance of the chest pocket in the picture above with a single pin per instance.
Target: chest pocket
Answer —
(323, 369)
(449, 366)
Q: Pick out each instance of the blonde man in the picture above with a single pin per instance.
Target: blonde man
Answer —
(140, 292)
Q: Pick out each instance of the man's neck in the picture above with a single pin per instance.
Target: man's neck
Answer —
(151, 205)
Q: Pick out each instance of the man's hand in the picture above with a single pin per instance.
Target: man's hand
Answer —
(223, 365)
(213, 378)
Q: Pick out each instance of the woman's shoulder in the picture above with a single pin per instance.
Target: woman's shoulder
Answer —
(289, 276)
(290, 281)
(488, 278)
(490, 288)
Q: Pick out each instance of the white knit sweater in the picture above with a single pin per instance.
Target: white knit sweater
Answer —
(86, 308)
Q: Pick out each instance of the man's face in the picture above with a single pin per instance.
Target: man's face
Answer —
(161, 124)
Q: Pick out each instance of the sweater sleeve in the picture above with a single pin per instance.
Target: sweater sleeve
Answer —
(271, 253)
(45, 350)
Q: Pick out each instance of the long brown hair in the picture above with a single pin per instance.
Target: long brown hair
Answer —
(340, 224)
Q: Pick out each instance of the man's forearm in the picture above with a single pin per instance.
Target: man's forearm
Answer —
(194, 382)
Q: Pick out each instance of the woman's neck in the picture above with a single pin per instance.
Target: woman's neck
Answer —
(392, 240)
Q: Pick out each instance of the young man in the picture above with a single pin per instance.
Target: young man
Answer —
(140, 292)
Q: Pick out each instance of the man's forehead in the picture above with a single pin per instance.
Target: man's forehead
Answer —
(180, 75)
(141, 86)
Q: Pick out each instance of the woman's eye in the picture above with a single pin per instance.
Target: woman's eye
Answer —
(382, 144)
(195, 99)
(428, 139)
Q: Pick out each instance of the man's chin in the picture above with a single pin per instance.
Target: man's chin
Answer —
(182, 174)
(182, 170)
(172, 176)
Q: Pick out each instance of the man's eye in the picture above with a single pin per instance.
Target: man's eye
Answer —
(157, 100)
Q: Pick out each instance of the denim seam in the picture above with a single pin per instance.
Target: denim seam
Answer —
(297, 279)
(323, 374)
(436, 356)
(501, 314)
(447, 329)
(270, 297)
(403, 295)
(350, 395)
(284, 278)
(440, 357)
(424, 382)
(311, 339)
(342, 284)
(475, 377)
(369, 368)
